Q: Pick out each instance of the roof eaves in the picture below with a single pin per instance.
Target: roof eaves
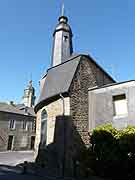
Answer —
(21, 114)
(45, 102)
(108, 85)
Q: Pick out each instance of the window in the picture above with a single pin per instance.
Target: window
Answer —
(10, 142)
(43, 128)
(65, 38)
(25, 125)
(12, 124)
(120, 105)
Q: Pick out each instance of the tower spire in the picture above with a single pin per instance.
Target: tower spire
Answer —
(62, 9)
(62, 42)
(28, 98)
(31, 76)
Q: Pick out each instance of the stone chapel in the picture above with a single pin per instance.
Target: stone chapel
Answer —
(62, 108)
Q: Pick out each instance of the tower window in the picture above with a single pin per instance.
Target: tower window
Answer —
(12, 124)
(120, 105)
(65, 38)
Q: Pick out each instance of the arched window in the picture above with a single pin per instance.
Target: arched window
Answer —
(43, 128)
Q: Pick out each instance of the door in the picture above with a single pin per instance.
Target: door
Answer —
(32, 142)
(10, 142)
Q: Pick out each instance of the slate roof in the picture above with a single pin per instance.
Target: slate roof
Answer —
(58, 79)
(29, 111)
(4, 107)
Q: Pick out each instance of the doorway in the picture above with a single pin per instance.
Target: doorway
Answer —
(10, 142)
(32, 142)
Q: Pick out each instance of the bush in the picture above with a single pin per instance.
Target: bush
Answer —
(105, 143)
(112, 144)
(127, 141)
(115, 151)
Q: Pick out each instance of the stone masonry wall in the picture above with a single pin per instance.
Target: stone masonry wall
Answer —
(18, 133)
(53, 110)
(87, 76)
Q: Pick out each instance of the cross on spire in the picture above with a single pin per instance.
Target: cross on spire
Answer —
(31, 76)
(63, 9)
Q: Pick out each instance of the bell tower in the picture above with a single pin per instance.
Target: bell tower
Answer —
(28, 98)
(62, 41)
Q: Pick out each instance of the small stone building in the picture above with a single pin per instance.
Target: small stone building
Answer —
(18, 123)
(62, 108)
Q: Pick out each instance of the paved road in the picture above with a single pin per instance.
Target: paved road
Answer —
(13, 158)
(10, 172)
(8, 162)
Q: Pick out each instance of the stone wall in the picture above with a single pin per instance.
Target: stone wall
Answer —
(53, 110)
(18, 133)
(88, 75)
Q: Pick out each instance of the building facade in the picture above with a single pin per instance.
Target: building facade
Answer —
(18, 124)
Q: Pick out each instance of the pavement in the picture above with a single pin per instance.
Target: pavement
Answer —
(12, 158)
(8, 168)
(14, 173)
(11, 167)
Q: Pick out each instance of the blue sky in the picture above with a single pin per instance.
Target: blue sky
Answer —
(104, 29)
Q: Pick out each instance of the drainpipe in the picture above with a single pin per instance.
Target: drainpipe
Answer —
(63, 104)
(64, 140)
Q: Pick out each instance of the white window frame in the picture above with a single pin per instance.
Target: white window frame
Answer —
(120, 106)
(12, 124)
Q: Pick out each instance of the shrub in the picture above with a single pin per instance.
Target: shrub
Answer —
(127, 141)
(115, 151)
(105, 142)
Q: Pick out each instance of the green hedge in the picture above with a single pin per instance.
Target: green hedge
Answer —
(111, 144)
(111, 154)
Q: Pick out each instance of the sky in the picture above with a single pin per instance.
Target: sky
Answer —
(104, 29)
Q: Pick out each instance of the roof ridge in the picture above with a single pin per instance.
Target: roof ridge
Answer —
(70, 59)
